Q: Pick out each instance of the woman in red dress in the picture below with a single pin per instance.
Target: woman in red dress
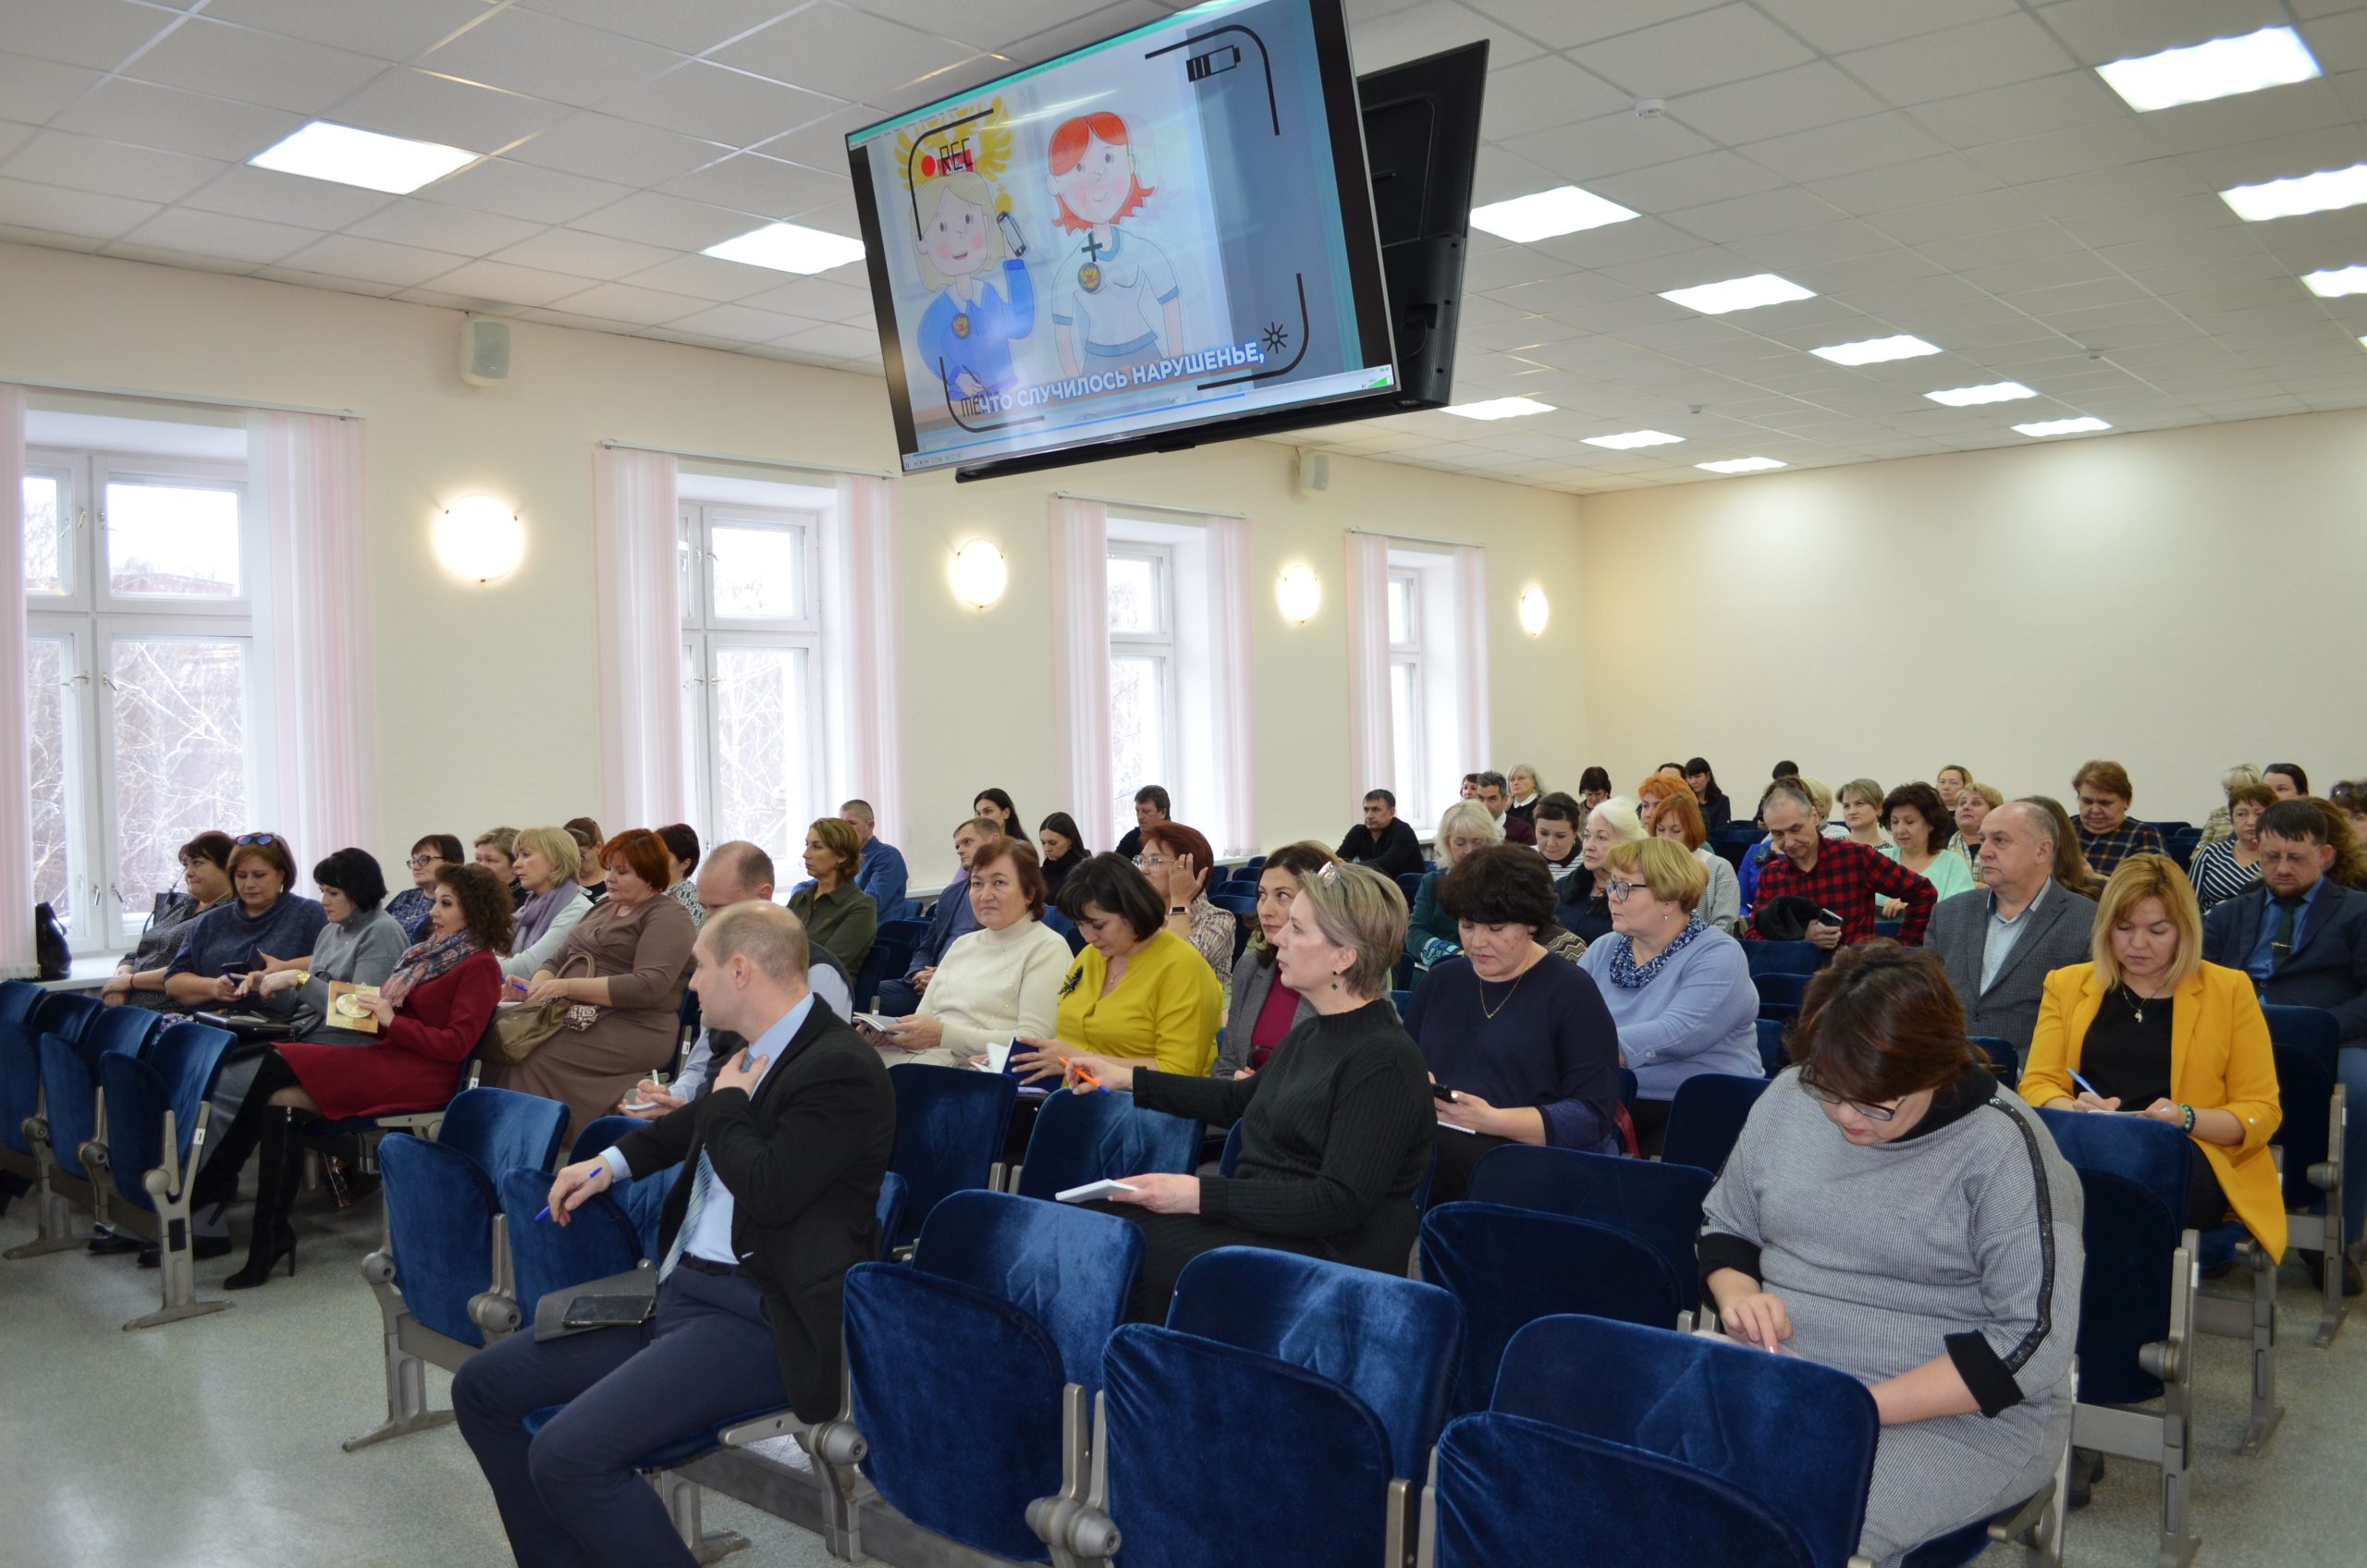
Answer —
(432, 1011)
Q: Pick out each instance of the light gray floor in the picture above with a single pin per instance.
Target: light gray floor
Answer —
(214, 1442)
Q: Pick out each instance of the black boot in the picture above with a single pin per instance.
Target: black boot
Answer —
(277, 1172)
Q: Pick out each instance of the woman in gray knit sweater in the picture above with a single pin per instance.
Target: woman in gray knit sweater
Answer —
(1891, 1210)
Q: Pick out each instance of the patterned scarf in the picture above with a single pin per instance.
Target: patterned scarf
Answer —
(425, 961)
(1628, 973)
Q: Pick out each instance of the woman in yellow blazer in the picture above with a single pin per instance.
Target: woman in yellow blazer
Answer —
(2158, 1032)
(1137, 991)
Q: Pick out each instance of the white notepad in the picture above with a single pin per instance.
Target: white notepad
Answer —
(1093, 1190)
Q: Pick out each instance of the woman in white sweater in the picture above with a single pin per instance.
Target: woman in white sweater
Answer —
(997, 983)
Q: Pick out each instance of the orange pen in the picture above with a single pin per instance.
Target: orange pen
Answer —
(1084, 1078)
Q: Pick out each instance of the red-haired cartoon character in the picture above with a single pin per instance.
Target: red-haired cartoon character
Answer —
(1117, 301)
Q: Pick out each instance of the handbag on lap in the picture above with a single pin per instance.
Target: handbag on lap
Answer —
(519, 1031)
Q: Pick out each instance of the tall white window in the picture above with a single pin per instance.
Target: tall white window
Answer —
(1406, 694)
(1143, 709)
(141, 578)
(1428, 682)
(752, 730)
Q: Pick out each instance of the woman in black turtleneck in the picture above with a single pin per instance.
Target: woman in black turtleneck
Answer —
(1064, 849)
(1336, 1129)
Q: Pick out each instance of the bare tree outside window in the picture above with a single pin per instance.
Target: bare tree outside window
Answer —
(180, 721)
(44, 688)
(44, 572)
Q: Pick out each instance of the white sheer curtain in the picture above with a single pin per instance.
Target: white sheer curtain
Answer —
(635, 527)
(314, 630)
(873, 676)
(1232, 626)
(1471, 620)
(1372, 741)
(17, 962)
(1081, 664)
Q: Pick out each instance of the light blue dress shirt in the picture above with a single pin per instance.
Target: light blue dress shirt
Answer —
(2262, 961)
(1998, 938)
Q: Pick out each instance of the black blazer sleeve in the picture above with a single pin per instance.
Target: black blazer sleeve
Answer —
(775, 1172)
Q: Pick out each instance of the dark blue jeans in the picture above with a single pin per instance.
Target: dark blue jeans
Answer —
(570, 1495)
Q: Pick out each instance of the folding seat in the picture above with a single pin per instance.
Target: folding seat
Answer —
(72, 1129)
(1706, 1118)
(950, 1123)
(2308, 1043)
(1285, 1413)
(26, 1066)
(891, 953)
(1652, 1201)
(1772, 1056)
(1782, 958)
(2004, 1061)
(442, 1277)
(156, 1114)
(1092, 1137)
(424, 1121)
(1410, 883)
(1780, 993)
(1510, 1267)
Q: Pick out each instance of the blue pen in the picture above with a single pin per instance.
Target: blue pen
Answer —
(2083, 1084)
(546, 1213)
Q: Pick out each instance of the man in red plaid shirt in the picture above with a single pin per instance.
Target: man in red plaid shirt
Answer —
(1835, 874)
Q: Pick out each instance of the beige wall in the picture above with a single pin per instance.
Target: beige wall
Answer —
(485, 706)
(2178, 600)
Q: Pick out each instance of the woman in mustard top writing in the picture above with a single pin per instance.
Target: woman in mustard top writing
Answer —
(1137, 991)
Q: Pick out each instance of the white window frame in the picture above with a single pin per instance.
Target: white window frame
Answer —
(89, 619)
(1432, 621)
(706, 632)
(1160, 646)
(1411, 729)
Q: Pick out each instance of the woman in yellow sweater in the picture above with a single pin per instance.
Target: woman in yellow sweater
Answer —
(2158, 1032)
(1137, 991)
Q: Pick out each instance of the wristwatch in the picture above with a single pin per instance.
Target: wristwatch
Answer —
(1179, 908)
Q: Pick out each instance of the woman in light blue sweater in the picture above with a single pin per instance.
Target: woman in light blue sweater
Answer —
(1678, 988)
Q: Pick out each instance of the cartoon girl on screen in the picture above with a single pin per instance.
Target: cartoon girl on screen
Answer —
(1119, 304)
(966, 334)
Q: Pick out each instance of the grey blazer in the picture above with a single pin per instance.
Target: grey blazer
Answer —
(2008, 1009)
(1253, 979)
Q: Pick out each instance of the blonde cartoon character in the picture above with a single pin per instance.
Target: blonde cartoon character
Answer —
(1120, 305)
(966, 334)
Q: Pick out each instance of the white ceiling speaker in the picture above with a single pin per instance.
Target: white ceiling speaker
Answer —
(485, 351)
(1314, 472)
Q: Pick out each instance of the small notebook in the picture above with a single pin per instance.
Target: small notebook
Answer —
(348, 1007)
(1093, 1190)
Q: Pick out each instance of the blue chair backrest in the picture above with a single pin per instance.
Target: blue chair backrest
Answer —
(1706, 1118)
(125, 1030)
(501, 1128)
(1795, 1435)
(1657, 1203)
(1773, 1058)
(1188, 1420)
(1509, 1490)
(177, 1075)
(950, 1123)
(1065, 927)
(1400, 1000)
(1780, 988)
(1070, 1270)
(1393, 1343)
(2133, 1176)
(1510, 1267)
(1229, 1158)
(17, 1000)
(1241, 906)
(893, 1195)
(439, 1222)
(599, 1135)
(1782, 958)
(598, 1240)
(2003, 1059)
(1091, 1137)
(67, 1014)
(70, 1094)
(1410, 883)
(2305, 1081)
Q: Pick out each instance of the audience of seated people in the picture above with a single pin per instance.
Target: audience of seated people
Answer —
(1999, 942)
(1558, 820)
(1259, 1008)
(548, 864)
(1581, 906)
(1062, 851)
(951, 920)
(622, 973)
(832, 904)
(1678, 988)
(1430, 935)
(1521, 1042)
(2221, 823)
(1919, 829)
(1336, 1131)
(1491, 792)
(2071, 867)
(496, 850)
(2107, 833)
(1151, 808)
(243, 934)
(1383, 840)
(999, 981)
(1891, 1210)
(1716, 810)
(1136, 990)
(1177, 862)
(995, 806)
(2286, 780)
(879, 871)
(681, 841)
(358, 944)
(139, 977)
(1837, 879)
(588, 839)
(1861, 813)
(1594, 787)
(1522, 791)
(1950, 782)
(1677, 818)
(411, 907)
(2228, 866)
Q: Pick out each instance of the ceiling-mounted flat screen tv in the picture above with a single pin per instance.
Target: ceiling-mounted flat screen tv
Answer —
(1113, 251)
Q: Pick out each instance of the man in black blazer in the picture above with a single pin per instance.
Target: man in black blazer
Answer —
(2000, 942)
(2303, 940)
(779, 1165)
(1383, 840)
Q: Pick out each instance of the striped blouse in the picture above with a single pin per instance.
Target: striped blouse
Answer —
(2217, 877)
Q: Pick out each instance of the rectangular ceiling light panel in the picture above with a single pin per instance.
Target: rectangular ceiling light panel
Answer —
(2335, 282)
(1876, 350)
(1498, 407)
(1996, 392)
(339, 152)
(1632, 438)
(1544, 214)
(2221, 69)
(2064, 426)
(1738, 294)
(787, 247)
(2320, 192)
(1742, 465)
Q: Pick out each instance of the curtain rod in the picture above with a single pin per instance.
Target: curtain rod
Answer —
(752, 461)
(35, 384)
(1416, 539)
(1145, 505)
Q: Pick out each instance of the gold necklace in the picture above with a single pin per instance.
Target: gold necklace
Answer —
(1487, 1011)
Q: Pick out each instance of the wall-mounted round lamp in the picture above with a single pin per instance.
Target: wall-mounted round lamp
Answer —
(979, 574)
(1534, 611)
(1299, 592)
(480, 540)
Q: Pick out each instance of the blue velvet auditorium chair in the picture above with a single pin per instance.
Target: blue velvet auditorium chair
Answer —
(2136, 1301)
(63, 1017)
(1285, 1413)
(1782, 958)
(891, 953)
(1093, 1137)
(1706, 1118)
(1772, 1056)
(155, 1108)
(986, 1346)
(73, 1106)
(1780, 993)
(1655, 1202)
(950, 1123)
(443, 1263)
(2004, 1061)
(2308, 1044)
(20, 1077)
(1510, 1267)
(1614, 1445)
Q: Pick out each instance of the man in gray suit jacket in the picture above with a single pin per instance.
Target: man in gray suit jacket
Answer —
(2000, 944)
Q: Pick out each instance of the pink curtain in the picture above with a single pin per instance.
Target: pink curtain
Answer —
(16, 717)
(1372, 741)
(1231, 623)
(875, 760)
(1475, 736)
(315, 632)
(1081, 664)
(635, 527)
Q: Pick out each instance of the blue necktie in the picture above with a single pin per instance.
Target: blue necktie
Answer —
(700, 1187)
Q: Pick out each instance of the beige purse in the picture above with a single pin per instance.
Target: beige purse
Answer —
(518, 1032)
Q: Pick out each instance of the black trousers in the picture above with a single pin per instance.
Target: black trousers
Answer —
(1171, 1241)
(240, 1113)
(1651, 1126)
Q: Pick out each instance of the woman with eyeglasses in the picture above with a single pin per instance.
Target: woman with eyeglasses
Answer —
(1891, 1210)
(413, 906)
(1177, 861)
